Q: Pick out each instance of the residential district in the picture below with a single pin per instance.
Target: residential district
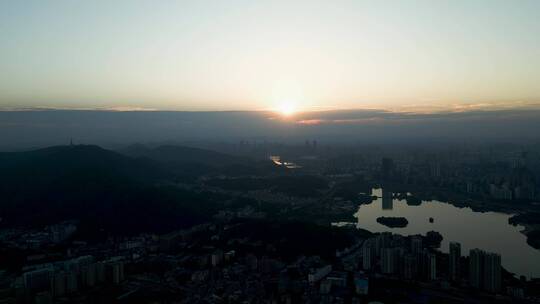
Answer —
(208, 264)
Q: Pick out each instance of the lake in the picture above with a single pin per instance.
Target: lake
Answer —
(489, 231)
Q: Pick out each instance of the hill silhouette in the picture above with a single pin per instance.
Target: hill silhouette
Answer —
(102, 188)
(57, 162)
(189, 162)
(182, 154)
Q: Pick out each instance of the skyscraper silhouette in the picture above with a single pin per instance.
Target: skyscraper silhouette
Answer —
(454, 267)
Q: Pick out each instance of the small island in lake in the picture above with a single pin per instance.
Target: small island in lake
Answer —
(393, 222)
(413, 201)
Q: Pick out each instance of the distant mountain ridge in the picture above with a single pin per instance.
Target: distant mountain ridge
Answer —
(188, 162)
(182, 154)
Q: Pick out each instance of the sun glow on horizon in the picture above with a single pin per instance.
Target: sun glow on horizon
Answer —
(287, 108)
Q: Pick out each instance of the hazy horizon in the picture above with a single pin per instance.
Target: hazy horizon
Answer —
(38, 128)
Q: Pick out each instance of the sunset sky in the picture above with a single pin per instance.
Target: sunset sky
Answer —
(259, 55)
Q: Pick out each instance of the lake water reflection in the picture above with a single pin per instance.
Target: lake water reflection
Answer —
(276, 159)
(489, 231)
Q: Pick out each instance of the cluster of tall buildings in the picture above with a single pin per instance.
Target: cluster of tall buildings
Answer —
(499, 178)
(485, 270)
(409, 259)
(396, 255)
(66, 277)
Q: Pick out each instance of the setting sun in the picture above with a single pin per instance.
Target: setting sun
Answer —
(287, 108)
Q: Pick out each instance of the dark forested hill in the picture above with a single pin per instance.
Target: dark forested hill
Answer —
(100, 187)
(49, 164)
